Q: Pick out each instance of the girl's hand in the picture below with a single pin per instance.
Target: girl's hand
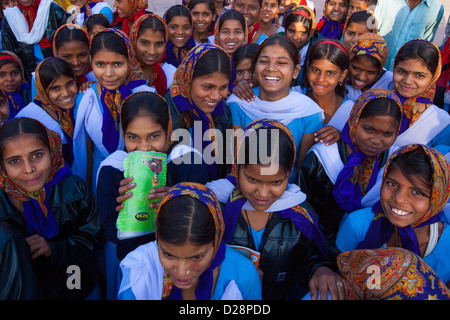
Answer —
(243, 90)
(85, 86)
(157, 193)
(38, 246)
(325, 280)
(327, 135)
(124, 192)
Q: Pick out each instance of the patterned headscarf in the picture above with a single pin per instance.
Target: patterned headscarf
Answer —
(254, 27)
(36, 208)
(112, 99)
(328, 28)
(15, 99)
(137, 9)
(381, 228)
(402, 276)
(207, 197)
(157, 75)
(360, 172)
(410, 112)
(65, 117)
(306, 12)
(86, 9)
(303, 220)
(372, 45)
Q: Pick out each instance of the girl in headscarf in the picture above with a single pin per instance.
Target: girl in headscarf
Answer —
(97, 125)
(417, 67)
(409, 215)
(196, 102)
(149, 37)
(190, 227)
(86, 8)
(53, 209)
(127, 12)
(366, 71)
(203, 16)
(267, 25)
(261, 206)
(252, 10)
(334, 16)
(55, 101)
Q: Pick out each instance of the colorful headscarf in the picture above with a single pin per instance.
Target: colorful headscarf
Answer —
(410, 112)
(181, 94)
(15, 99)
(207, 197)
(303, 220)
(137, 9)
(373, 45)
(306, 12)
(112, 99)
(36, 208)
(254, 27)
(381, 229)
(328, 28)
(402, 276)
(360, 172)
(157, 74)
(65, 117)
(86, 9)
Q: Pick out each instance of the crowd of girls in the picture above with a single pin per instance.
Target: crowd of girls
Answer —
(334, 160)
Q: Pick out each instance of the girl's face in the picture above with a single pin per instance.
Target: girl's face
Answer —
(231, 36)
(96, 28)
(208, 90)
(122, 7)
(78, 3)
(262, 190)
(336, 10)
(324, 76)
(150, 46)
(353, 31)
(27, 162)
(143, 134)
(269, 10)
(284, 5)
(404, 202)
(274, 71)
(411, 77)
(10, 78)
(185, 263)
(243, 71)
(62, 92)
(8, 3)
(297, 33)
(363, 71)
(76, 53)
(375, 134)
(250, 9)
(356, 5)
(202, 17)
(4, 110)
(110, 68)
(180, 31)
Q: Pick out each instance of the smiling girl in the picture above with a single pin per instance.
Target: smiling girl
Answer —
(203, 16)
(413, 195)
(251, 10)
(127, 12)
(333, 20)
(357, 24)
(269, 14)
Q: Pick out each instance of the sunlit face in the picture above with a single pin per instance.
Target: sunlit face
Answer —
(243, 71)
(11, 78)
(208, 90)
(150, 46)
(356, 5)
(8, 3)
(363, 71)
(143, 133)
(62, 92)
(76, 53)
(260, 189)
(324, 76)
(404, 202)
(375, 134)
(26, 160)
(122, 7)
(185, 263)
(353, 31)
(110, 68)
(79, 3)
(274, 72)
(411, 77)
(297, 33)
(250, 9)
(180, 31)
(270, 10)
(231, 36)
(202, 17)
(336, 10)
(4, 110)
(284, 5)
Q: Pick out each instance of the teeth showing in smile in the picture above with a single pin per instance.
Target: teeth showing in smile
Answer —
(212, 104)
(176, 38)
(272, 78)
(232, 44)
(400, 212)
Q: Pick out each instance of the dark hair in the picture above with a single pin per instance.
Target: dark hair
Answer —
(261, 146)
(152, 23)
(259, 1)
(96, 19)
(248, 50)
(4, 62)
(145, 103)
(415, 166)
(18, 126)
(291, 18)
(209, 3)
(52, 68)
(185, 219)
(177, 11)
(110, 41)
(232, 14)
(67, 34)
(382, 107)
(335, 53)
(419, 49)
